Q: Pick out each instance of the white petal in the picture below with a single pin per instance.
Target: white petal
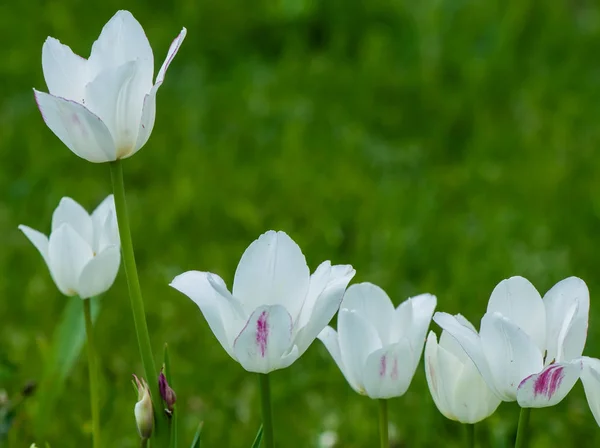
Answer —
(265, 340)
(470, 341)
(388, 371)
(218, 312)
(173, 49)
(440, 386)
(106, 228)
(329, 337)
(122, 40)
(64, 71)
(99, 273)
(590, 377)
(70, 212)
(570, 293)
(79, 129)
(68, 254)
(473, 399)
(550, 386)
(272, 271)
(518, 300)
(511, 354)
(423, 307)
(357, 339)
(324, 306)
(372, 304)
(450, 344)
(39, 240)
(117, 97)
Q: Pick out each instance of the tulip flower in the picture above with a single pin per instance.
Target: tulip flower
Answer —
(83, 251)
(528, 349)
(276, 308)
(377, 347)
(456, 385)
(103, 108)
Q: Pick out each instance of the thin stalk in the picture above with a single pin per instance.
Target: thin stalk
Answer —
(522, 439)
(135, 294)
(384, 441)
(93, 373)
(470, 429)
(265, 401)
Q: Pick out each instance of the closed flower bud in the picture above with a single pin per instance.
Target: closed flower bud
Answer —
(168, 395)
(144, 415)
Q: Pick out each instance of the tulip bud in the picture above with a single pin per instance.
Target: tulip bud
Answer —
(168, 395)
(144, 415)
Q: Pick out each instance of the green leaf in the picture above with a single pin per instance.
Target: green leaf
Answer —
(67, 343)
(196, 442)
(258, 438)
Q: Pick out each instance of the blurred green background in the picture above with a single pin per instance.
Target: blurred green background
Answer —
(437, 146)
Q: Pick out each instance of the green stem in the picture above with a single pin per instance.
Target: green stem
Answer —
(521, 441)
(93, 372)
(265, 401)
(135, 295)
(384, 441)
(470, 436)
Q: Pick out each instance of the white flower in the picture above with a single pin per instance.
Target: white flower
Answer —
(528, 349)
(83, 252)
(456, 386)
(276, 308)
(103, 108)
(377, 347)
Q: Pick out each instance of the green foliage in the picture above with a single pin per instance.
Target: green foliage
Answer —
(438, 146)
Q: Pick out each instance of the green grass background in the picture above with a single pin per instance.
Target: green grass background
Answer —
(437, 146)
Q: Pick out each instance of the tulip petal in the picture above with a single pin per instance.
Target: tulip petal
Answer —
(122, 40)
(173, 49)
(470, 341)
(372, 304)
(423, 307)
(518, 300)
(550, 386)
(117, 97)
(64, 71)
(272, 271)
(68, 254)
(99, 273)
(79, 129)
(440, 386)
(265, 340)
(389, 371)
(590, 377)
(70, 212)
(220, 315)
(511, 354)
(39, 240)
(330, 339)
(451, 345)
(322, 307)
(566, 337)
(106, 229)
(357, 339)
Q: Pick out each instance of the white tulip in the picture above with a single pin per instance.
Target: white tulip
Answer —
(377, 347)
(103, 108)
(83, 251)
(528, 349)
(276, 308)
(456, 385)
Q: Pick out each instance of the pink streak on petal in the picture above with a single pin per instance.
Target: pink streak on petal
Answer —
(548, 382)
(382, 366)
(262, 333)
(395, 370)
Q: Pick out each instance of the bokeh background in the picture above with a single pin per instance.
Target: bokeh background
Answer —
(438, 146)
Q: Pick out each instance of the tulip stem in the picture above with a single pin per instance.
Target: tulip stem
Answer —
(470, 435)
(265, 400)
(93, 373)
(383, 424)
(135, 294)
(522, 441)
